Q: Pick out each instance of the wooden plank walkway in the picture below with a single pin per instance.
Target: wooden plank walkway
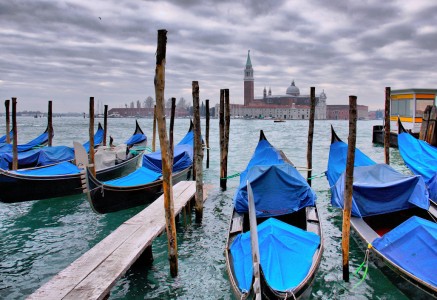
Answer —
(93, 274)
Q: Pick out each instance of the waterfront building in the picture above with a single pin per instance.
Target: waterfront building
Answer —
(290, 105)
(341, 112)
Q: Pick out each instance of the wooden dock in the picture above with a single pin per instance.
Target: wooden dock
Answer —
(93, 274)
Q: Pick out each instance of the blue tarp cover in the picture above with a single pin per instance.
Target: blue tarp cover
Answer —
(53, 155)
(135, 139)
(42, 139)
(3, 138)
(183, 156)
(413, 246)
(286, 254)
(140, 176)
(63, 168)
(98, 139)
(277, 189)
(380, 189)
(421, 159)
(338, 158)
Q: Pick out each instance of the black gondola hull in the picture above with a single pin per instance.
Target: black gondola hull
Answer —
(20, 188)
(106, 199)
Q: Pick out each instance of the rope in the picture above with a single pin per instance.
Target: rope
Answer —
(317, 176)
(231, 176)
(365, 262)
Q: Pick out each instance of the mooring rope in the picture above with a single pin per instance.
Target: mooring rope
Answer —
(317, 176)
(231, 176)
(365, 262)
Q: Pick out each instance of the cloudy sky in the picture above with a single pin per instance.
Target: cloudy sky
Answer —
(67, 51)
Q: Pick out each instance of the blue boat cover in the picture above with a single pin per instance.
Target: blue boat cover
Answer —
(36, 142)
(380, 189)
(277, 189)
(3, 138)
(280, 246)
(412, 245)
(183, 156)
(421, 158)
(55, 154)
(63, 168)
(98, 139)
(140, 176)
(136, 139)
(338, 158)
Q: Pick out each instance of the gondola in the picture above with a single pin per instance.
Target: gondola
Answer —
(46, 155)
(39, 141)
(3, 139)
(144, 185)
(288, 226)
(63, 178)
(392, 216)
(420, 157)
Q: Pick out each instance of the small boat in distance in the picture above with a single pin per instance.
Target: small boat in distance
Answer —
(288, 226)
(278, 120)
(392, 216)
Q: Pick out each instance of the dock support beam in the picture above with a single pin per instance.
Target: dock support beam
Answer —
(387, 126)
(349, 185)
(167, 161)
(311, 134)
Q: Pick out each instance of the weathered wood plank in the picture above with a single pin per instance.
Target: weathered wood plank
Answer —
(93, 275)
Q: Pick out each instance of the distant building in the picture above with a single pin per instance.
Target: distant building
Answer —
(143, 112)
(291, 105)
(341, 112)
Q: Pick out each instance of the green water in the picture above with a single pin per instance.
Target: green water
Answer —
(40, 238)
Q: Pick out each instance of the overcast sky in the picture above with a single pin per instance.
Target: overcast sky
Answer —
(67, 51)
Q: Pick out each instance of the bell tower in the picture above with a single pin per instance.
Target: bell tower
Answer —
(248, 82)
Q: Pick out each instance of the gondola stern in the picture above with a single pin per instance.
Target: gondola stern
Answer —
(401, 128)
(262, 135)
(334, 136)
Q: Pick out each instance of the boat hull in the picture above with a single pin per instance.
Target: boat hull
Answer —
(106, 199)
(20, 188)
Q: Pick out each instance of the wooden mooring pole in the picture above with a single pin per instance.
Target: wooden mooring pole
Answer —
(387, 126)
(207, 132)
(167, 164)
(91, 133)
(226, 136)
(8, 125)
(222, 137)
(349, 185)
(50, 123)
(14, 135)
(311, 134)
(105, 124)
(198, 153)
(154, 130)
(172, 116)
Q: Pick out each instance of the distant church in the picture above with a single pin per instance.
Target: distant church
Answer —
(291, 105)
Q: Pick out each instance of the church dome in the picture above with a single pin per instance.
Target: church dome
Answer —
(293, 90)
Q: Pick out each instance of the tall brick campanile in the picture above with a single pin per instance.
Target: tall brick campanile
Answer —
(248, 82)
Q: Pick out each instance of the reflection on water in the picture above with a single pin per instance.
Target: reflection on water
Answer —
(40, 238)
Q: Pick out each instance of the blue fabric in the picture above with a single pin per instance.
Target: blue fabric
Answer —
(63, 168)
(413, 246)
(55, 154)
(182, 156)
(98, 139)
(265, 154)
(38, 141)
(3, 138)
(277, 190)
(380, 189)
(135, 139)
(138, 177)
(338, 158)
(421, 158)
(286, 254)
(24, 158)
